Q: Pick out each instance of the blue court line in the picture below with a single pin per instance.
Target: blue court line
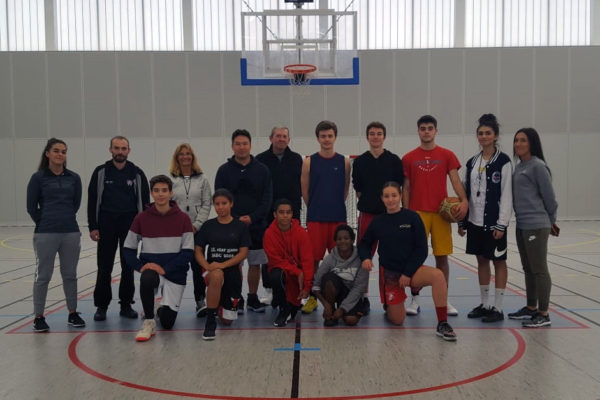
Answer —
(297, 347)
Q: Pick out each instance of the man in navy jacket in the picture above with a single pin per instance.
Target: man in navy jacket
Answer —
(249, 181)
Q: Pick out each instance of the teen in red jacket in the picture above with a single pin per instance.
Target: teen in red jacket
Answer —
(290, 265)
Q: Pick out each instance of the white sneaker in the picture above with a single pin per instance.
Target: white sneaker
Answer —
(147, 331)
(453, 312)
(413, 308)
(268, 296)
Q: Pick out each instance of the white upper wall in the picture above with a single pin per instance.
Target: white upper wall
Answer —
(160, 99)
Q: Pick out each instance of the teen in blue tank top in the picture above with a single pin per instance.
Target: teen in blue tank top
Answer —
(326, 189)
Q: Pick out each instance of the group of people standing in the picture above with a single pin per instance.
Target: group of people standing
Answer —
(257, 201)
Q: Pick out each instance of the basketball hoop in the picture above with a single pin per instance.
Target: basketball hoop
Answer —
(300, 74)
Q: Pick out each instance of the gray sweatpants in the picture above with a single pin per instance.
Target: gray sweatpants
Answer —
(533, 249)
(46, 245)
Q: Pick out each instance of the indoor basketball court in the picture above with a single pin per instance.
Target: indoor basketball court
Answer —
(163, 73)
(253, 359)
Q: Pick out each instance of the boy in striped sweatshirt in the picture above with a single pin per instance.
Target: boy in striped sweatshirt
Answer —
(167, 239)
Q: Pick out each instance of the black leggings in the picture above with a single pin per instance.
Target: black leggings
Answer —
(277, 280)
(266, 281)
(149, 282)
(199, 284)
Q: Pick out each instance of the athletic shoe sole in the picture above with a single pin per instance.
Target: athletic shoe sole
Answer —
(142, 339)
(208, 337)
(76, 325)
(446, 338)
(521, 317)
(492, 319)
(41, 330)
(546, 323)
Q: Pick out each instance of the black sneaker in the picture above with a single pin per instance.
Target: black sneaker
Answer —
(128, 312)
(240, 305)
(537, 321)
(478, 312)
(366, 306)
(100, 314)
(40, 325)
(444, 330)
(493, 315)
(330, 322)
(209, 328)
(293, 313)
(201, 308)
(282, 317)
(523, 313)
(254, 304)
(75, 320)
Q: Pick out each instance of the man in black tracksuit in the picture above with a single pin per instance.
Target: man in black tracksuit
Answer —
(249, 181)
(118, 191)
(285, 166)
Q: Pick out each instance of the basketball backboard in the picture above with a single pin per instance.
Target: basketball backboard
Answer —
(274, 39)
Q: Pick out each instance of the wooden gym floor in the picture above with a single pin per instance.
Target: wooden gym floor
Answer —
(253, 359)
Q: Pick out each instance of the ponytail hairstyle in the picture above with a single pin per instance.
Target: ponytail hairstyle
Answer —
(44, 161)
(392, 184)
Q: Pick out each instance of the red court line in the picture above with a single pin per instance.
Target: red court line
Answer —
(270, 328)
(14, 330)
(520, 351)
(520, 293)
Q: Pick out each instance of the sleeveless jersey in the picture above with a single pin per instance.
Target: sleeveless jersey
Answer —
(326, 189)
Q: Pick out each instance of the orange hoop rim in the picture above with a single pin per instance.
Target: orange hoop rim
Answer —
(300, 68)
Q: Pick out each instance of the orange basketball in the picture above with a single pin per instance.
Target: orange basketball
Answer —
(447, 206)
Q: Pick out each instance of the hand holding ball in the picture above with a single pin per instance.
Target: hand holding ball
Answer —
(448, 207)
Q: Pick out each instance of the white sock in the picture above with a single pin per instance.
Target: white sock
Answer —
(485, 291)
(498, 299)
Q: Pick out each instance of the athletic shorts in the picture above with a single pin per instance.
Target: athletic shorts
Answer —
(364, 220)
(341, 293)
(172, 293)
(321, 237)
(390, 288)
(441, 232)
(482, 243)
(257, 257)
(231, 291)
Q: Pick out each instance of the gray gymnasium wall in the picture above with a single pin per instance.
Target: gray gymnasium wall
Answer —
(161, 99)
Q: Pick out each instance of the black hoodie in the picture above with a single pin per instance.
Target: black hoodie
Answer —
(252, 193)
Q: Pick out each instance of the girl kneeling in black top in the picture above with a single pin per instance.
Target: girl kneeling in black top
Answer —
(402, 251)
(228, 241)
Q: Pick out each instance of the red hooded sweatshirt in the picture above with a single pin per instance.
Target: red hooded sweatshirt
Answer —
(291, 251)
